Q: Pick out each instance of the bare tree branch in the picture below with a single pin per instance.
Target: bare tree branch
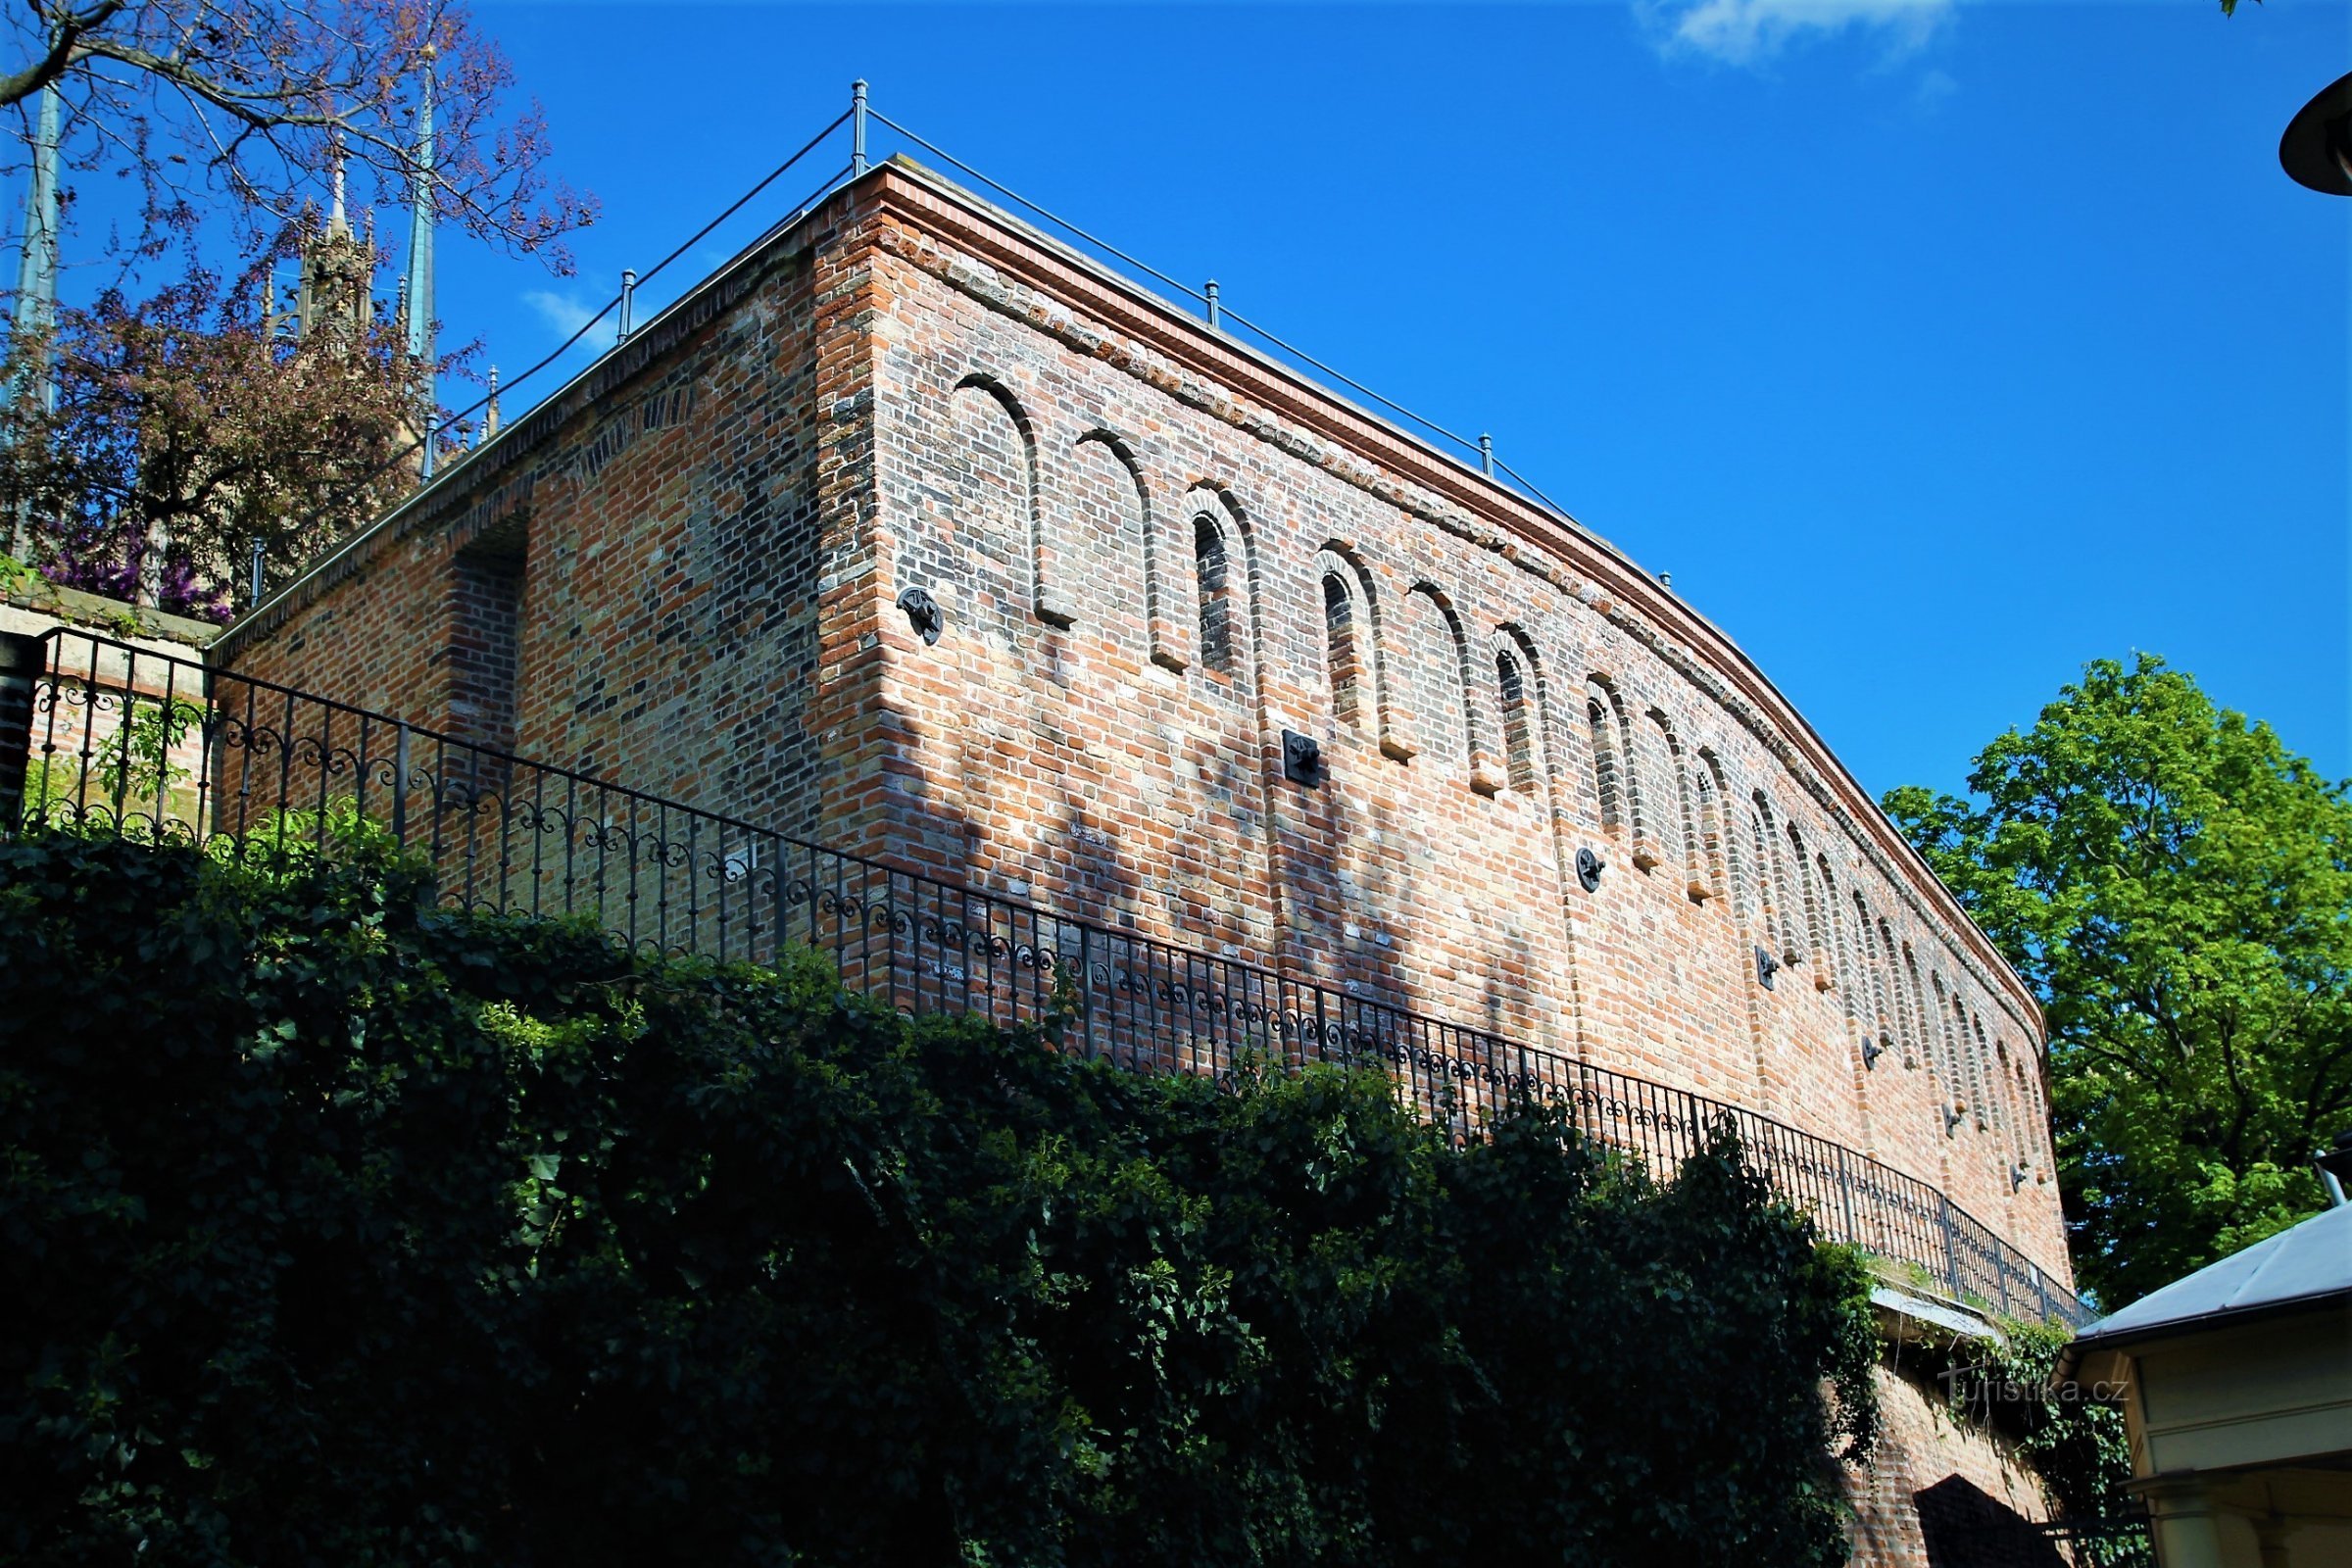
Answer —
(64, 41)
(256, 101)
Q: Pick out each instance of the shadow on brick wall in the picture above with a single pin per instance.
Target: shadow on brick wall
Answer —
(1964, 1526)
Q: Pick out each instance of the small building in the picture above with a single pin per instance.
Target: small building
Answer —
(2236, 1388)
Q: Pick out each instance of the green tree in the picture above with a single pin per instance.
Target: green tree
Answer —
(2174, 884)
(187, 429)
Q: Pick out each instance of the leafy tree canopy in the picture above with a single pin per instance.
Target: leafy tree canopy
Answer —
(2176, 885)
(187, 431)
(349, 1230)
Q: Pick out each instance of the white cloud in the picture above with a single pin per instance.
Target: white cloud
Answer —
(568, 314)
(1750, 32)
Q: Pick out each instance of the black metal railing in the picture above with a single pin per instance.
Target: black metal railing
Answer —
(133, 743)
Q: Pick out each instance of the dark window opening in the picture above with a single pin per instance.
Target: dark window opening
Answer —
(1605, 782)
(485, 651)
(1216, 597)
(1708, 854)
(1338, 649)
(1518, 734)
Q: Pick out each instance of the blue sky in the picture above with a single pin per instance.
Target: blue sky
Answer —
(1933, 347)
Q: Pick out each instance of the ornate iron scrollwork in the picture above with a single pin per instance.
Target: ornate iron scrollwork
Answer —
(1301, 758)
(1589, 867)
(923, 614)
(1765, 967)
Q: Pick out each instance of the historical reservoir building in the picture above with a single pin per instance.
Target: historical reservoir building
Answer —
(916, 532)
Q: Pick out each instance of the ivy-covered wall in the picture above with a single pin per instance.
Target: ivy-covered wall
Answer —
(345, 1229)
(1977, 1452)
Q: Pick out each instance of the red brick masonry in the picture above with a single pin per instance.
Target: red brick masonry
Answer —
(1155, 553)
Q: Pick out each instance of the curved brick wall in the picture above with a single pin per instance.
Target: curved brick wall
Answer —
(1156, 552)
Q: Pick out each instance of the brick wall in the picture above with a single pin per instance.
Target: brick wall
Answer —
(1059, 461)
(1938, 1492)
(631, 580)
(1157, 554)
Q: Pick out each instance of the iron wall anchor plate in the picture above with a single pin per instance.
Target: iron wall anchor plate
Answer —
(923, 614)
(1301, 758)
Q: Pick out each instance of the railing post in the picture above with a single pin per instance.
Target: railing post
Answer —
(1077, 995)
(400, 784)
(1486, 456)
(21, 666)
(1951, 1243)
(629, 305)
(1845, 1195)
(1322, 1025)
(1216, 307)
(857, 128)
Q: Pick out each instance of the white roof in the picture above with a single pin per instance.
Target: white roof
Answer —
(2309, 1262)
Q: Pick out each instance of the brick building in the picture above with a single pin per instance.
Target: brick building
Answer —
(916, 532)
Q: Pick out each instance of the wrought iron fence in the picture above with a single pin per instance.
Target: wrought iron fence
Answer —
(138, 745)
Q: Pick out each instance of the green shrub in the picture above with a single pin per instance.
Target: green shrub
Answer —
(345, 1229)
